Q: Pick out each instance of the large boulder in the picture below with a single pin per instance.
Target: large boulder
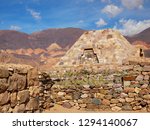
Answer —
(4, 98)
(4, 73)
(17, 82)
(23, 96)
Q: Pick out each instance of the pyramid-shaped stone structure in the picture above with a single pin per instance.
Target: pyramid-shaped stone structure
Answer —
(99, 47)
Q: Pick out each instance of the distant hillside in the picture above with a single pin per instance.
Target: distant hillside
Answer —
(16, 40)
(142, 36)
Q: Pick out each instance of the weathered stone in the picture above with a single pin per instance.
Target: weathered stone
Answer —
(114, 101)
(4, 98)
(84, 95)
(126, 83)
(13, 99)
(116, 109)
(4, 73)
(83, 105)
(17, 82)
(108, 97)
(99, 95)
(146, 77)
(3, 85)
(127, 107)
(32, 77)
(96, 101)
(122, 100)
(137, 90)
(147, 97)
(34, 91)
(19, 108)
(61, 94)
(131, 95)
(129, 100)
(146, 68)
(23, 96)
(105, 102)
(139, 78)
(68, 97)
(5, 108)
(137, 108)
(143, 103)
(86, 86)
(128, 90)
(129, 78)
(66, 105)
(33, 104)
(144, 86)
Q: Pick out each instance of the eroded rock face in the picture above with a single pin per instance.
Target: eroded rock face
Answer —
(16, 82)
(13, 99)
(3, 85)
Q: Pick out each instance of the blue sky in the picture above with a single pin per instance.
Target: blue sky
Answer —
(128, 16)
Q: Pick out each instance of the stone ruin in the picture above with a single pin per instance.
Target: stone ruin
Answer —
(100, 47)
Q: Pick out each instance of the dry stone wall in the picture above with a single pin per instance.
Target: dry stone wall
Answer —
(19, 89)
(127, 88)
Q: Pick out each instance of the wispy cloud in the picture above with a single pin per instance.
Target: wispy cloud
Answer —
(90, 0)
(111, 10)
(131, 27)
(132, 4)
(15, 27)
(101, 22)
(36, 15)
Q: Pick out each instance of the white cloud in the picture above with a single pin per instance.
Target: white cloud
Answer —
(111, 10)
(15, 27)
(34, 14)
(132, 4)
(131, 27)
(100, 22)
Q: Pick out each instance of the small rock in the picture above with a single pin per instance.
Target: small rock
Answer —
(137, 90)
(139, 78)
(126, 83)
(96, 101)
(131, 95)
(129, 100)
(137, 108)
(66, 105)
(127, 108)
(86, 86)
(147, 97)
(121, 100)
(76, 95)
(84, 95)
(105, 102)
(13, 99)
(123, 95)
(114, 101)
(83, 105)
(128, 90)
(144, 86)
(116, 109)
(61, 94)
(146, 77)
